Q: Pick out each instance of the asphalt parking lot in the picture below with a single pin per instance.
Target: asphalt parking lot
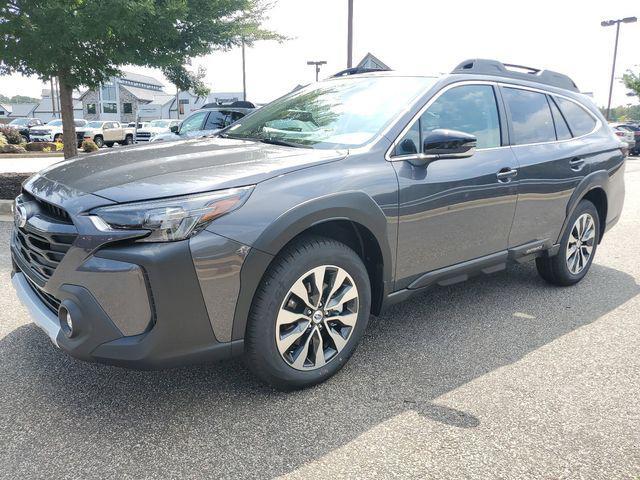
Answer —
(499, 377)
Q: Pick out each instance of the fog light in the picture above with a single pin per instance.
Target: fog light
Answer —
(66, 322)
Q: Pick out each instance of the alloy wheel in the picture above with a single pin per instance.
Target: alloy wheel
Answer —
(317, 317)
(581, 242)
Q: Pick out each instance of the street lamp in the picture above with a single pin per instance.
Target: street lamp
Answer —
(610, 23)
(317, 64)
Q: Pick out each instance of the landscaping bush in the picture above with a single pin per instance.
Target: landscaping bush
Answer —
(89, 146)
(3, 140)
(9, 148)
(11, 134)
(41, 147)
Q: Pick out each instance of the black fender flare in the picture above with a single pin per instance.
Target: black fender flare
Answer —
(598, 179)
(353, 206)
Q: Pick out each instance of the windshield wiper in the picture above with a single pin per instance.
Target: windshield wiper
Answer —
(275, 141)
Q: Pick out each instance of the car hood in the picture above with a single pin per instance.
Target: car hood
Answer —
(178, 168)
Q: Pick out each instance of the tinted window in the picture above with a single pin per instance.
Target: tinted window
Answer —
(579, 120)
(193, 123)
(470, 109)
(530, 116)
(562, 130)
(217, 120)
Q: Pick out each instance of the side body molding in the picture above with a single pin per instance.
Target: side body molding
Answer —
(352, 206)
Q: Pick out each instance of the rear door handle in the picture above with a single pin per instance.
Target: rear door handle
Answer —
(576, 163)
(506, 174)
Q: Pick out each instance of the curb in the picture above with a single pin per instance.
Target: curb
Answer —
(5, 207)
(31, 155)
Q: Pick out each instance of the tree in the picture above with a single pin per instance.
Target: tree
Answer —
(184, 80)
(85, 42)
(631, 80)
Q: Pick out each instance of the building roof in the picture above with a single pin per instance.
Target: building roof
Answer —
(371, 61)
(146, 95)
(136, 77)
(7, 107)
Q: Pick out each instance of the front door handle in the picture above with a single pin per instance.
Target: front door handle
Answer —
(576, 163)
(506, 174)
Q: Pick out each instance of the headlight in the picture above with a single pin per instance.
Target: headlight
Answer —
(171, 219)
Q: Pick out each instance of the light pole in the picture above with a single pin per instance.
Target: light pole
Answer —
(609, 23)
(350, 36)
(244, 75)
(317, 64)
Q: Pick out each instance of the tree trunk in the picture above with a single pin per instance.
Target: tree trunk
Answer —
(68, 127)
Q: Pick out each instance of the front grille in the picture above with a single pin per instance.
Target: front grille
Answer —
(42, 251)
(39, 132)
(54, 211)
(143, 136)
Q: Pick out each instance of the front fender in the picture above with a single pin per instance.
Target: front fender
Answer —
(353, 206)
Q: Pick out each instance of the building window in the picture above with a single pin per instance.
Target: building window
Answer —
(127, 107)
(91, 108)
(182, 103)
(109, 108)
(108, 92)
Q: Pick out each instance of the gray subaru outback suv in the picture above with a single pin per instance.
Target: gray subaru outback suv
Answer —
(279, 236)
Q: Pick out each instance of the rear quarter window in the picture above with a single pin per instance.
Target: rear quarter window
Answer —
(580, 122)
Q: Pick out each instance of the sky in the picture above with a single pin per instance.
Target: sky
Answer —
(418, 36)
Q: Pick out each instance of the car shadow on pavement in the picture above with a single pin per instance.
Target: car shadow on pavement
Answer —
(218, 421)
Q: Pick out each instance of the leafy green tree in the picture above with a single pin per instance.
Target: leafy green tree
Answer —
(185, 80)
(18, 99)
(85, 42)
(631, 80)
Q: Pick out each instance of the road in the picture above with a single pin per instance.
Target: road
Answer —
(499, 377)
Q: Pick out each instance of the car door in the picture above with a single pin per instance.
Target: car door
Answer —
(454, 210)
(552, 161)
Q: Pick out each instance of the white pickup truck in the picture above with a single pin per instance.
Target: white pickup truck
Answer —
(105, 132)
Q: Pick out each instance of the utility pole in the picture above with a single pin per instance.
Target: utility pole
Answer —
(244, 75)
(317, 64)
(53, 104)
(609, 23)
(350, 36)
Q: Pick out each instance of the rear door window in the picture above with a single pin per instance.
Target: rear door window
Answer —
(562, 129)
(531, 118)
(579, 120)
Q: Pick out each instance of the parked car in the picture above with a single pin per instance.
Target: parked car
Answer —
(23, 125)
(634, 129)
(626, 135)
(277, 243)
(203, 122)
(52, 131)
(105, 133)
(155, 127)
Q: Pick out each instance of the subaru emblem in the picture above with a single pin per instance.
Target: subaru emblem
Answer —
(20, 216)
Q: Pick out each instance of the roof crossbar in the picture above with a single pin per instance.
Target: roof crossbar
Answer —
(493, 67)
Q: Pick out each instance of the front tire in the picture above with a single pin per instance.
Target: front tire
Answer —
(99, 141)
(308, 314)
(577, 248)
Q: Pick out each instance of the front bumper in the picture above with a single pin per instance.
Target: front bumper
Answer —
(41, 138)
(133, 304)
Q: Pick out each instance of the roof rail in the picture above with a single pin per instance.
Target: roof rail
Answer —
(356, 70)
(493, 67)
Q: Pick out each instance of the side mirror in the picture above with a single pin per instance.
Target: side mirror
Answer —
(174, 128)
(443, 143)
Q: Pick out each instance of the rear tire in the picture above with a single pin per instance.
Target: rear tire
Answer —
(296, 350)
(128, 140)
(577, 248)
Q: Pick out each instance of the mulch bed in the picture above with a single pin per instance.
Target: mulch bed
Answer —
(10, 184)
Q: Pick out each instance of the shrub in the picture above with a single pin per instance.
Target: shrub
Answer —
(11, 134)
(3, 140)
(89, 146)
(40, 146)
(10, 148)
(59, 146)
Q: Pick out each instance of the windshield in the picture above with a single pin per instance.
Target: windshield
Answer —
(341, 113)
(19, 121)
(55, 123)
(94, 124)
(159, 123)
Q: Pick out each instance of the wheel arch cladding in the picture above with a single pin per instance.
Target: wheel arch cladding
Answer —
(351, 217)
(593, 187)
